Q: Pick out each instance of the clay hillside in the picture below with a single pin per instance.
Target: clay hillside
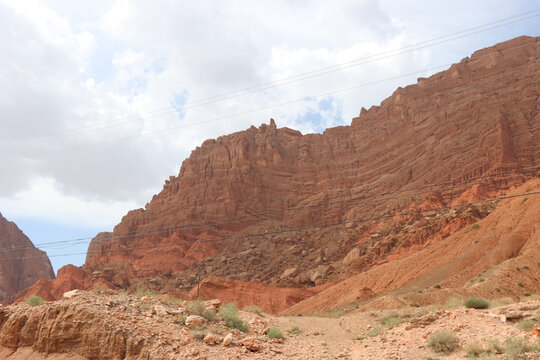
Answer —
(400, 200)
(21, 264)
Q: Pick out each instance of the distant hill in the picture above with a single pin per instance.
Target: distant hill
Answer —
(21, 264)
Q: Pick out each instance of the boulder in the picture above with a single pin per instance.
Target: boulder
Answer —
(194, 321)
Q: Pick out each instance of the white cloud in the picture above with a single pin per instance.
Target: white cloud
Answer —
(44, 200)
(77, 77)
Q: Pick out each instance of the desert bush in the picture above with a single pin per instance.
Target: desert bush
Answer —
(143, 306)
(494, 346)
(145, 292)
(530, 297)
(477, 303)
(199, 333)
(34, 300)
(375, 331)
(515, 346)
(390, 320)
(180, 319)
(443, 341)
(334, 313)
(527, 324)
(196, 307)
(217, 330)
(294, 330)
(474, 349)
(454, 302)
(171, 300)
(274, 333)
(476, 226)
(209, 314)
(229, 313)
(501, 302)
(253, 309)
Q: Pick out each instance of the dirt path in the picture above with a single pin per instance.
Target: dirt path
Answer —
(348, 336)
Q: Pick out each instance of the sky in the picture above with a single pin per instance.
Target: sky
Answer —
(101, 101)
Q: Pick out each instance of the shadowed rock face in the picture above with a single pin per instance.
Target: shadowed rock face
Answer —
(22, 264)
(479, 117)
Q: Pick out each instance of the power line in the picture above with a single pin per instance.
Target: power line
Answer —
(283, 231)
(312, 73)
(253, 216)
(276, 105)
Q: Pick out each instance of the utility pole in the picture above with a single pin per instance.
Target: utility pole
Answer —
(198, 282)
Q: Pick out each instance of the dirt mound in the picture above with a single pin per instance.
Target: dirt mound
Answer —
(21, 264)
(269, 298)
(497, 256)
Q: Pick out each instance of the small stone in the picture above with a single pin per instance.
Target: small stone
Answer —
(194, 321)
(213, 303)
(210, 339)
(228, 339)
(250, 343)
(160, 310)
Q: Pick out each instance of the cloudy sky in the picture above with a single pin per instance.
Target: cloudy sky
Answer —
(101, 101)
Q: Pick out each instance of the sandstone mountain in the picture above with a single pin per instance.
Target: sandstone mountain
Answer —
(274, 208)
(478, 118)
(21, 264)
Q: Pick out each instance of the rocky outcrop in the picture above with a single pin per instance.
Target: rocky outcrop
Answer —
(498, 256)
(478, 118)
(21, 264)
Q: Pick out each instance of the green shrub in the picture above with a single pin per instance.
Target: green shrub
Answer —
(199, 333)
(477, 303)
(375, 331)
(252, 309)
(501, 302)
(527, 324)
(474, 349)
(476, 226)
(34, 300)
(443, 341)
(196, 307)
(209, 314)
(454, 302)
(145, 292)
(333, 313)
(229, 313)
(295, 329)
(392, 321)
(274, 333)
(180, 319)
(143, 306)
(494, 346)
(171, 300)
(515, 346)
(217, 330)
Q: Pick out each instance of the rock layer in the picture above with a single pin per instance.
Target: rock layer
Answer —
(21, 264)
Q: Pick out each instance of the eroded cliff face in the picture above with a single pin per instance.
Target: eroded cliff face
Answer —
(478, 118)
(21, 264)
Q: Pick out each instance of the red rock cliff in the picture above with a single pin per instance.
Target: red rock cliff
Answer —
(479, 117)
(21, 264)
